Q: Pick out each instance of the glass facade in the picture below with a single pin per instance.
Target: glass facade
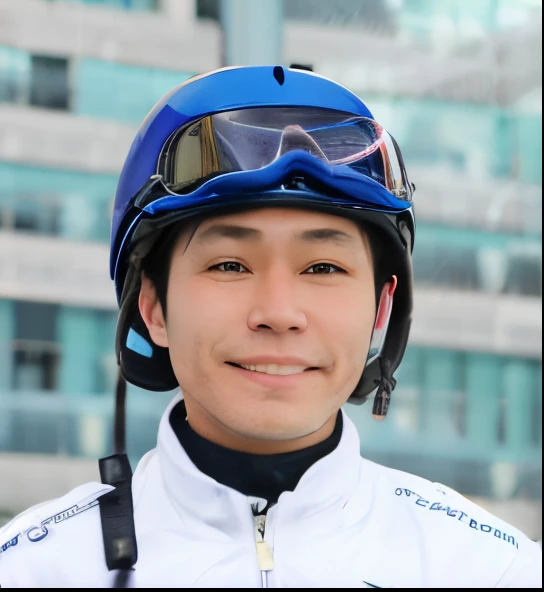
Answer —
(77, 85)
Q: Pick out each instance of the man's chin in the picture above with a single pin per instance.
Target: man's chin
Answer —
(279, 427)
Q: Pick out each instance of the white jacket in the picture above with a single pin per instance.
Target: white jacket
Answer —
(350, 523)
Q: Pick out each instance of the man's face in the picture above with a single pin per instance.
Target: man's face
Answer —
(269, 318)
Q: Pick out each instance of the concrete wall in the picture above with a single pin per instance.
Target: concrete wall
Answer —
(54, 139)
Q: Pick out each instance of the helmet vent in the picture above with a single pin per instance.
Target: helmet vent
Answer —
(279, 75)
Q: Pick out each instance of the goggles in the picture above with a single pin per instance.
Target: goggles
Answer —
(247, 140)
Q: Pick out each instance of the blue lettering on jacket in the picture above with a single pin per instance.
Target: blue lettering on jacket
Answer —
(461, 516)
(438, 507)
(35, 534)
(12, 543)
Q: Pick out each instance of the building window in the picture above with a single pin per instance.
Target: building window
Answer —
(39, 216)
(49, 87)
(524, 275)
(42, 81)
(208, 9)
(36, 354)
(35, 366)
(36, 214)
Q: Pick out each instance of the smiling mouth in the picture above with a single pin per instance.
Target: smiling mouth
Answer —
(274, 369)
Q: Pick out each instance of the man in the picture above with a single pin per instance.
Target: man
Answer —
(261, 251)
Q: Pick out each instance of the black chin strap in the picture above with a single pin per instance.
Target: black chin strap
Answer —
(386, 385)
(116, 508)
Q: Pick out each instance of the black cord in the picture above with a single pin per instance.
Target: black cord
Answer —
(119, 444)
(121, 578)
(119, 434)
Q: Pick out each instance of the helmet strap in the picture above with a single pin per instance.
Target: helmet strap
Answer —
(386, 383)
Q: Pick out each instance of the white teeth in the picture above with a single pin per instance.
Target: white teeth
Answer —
(275, 369)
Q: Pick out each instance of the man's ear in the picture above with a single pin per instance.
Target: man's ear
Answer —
(152, 313)
(386, 304)
(383, 316)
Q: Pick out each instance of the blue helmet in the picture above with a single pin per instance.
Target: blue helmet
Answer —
(249, 137)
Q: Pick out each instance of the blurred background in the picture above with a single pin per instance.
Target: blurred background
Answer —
(458, 83)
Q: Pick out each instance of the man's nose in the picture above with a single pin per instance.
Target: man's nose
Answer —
(277, 304)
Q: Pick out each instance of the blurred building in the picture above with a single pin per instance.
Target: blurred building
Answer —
(459, 84)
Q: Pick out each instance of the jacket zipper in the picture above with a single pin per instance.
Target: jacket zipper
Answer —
(264, 553)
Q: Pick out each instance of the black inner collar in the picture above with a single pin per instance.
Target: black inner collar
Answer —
(257, 475)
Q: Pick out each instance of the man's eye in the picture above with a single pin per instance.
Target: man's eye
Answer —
(324, 269)
(229, 267)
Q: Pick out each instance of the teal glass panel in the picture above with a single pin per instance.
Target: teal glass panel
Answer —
(121, 92)
(136, 5)
(79, 341)
(519, 393)
(15, 70)
(72, 204)
(483, 400)
(7, 332)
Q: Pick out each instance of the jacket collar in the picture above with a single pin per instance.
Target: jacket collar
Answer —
(203, 503)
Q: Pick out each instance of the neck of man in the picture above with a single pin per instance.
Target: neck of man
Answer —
(212, 429)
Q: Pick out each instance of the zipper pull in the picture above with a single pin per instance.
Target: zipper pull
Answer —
(264, 553)
(264, 556)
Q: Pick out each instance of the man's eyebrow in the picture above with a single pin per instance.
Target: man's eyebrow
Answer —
(229, 231)
(236, 232)
(326, 235)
